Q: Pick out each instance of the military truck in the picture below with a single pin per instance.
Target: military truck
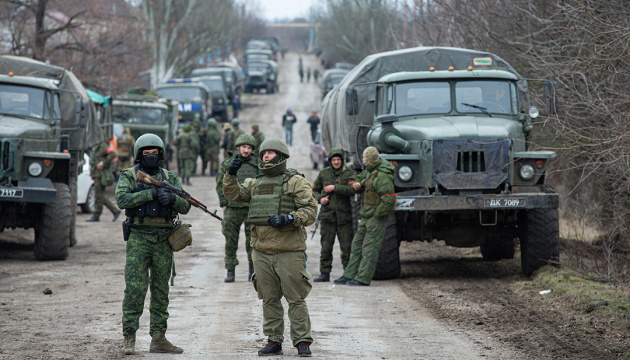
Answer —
(230, 77)
(262, 75)
(257, 55)
(457, 126)
(148, 114)
(218, 90)
(330, 79)
(47, 123)
(194, 99)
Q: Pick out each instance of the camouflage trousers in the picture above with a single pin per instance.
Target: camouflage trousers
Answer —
(233, 218)
(279, 275)
(185, 167)
(366, 247)
(100, 199)
(328, 232)
(213, 160)
(148, 264)
(194, 162)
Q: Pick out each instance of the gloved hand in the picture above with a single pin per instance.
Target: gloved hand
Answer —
(166, 197)
(235, 164)
(155, 191)
(279, 220)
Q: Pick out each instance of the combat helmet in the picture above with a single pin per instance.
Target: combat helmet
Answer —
(148, 140)
(212, 122)
(245, 139)
(235, 122)
(276, 145)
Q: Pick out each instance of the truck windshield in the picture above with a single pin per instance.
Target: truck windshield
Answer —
(216, 85)
(22, 101)
(423, 98)
(138, 115)
(180, 93)
(496, 96)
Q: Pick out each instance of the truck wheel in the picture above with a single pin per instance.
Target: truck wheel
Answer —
(539, 239)
(73, 205)
(53, 227)
(88, 207)
(388, 264)
(224, 116)
(497, 249)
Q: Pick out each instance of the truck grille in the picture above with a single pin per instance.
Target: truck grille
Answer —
(471, 161)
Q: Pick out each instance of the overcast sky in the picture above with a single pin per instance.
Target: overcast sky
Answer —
(281, 9)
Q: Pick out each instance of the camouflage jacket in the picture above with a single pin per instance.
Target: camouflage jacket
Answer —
(250, 166)
(234, 134)
(101, 152)
(187, 145)
(259, 137)
(380, 175)
(213, 140)
(338, 208)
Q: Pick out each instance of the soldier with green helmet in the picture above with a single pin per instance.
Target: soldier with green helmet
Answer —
(259, 137)
(235, 213)
(333, 190)
(281, 204)
(376, 185)
(213, 143)
(234, 134)
(150, 211)
(187, 150)
(101, 159)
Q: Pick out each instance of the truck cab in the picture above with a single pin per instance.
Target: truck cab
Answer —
(195, 100)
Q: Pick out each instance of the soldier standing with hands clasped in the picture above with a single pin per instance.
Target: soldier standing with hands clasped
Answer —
(281, 204)
(333, 190)
(235, 213)
(150, 212)
(376, 184)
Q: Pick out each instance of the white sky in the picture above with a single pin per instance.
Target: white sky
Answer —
(281, 9)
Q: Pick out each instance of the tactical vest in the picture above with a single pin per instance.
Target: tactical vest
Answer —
(124, 146)
(268, 199)
(370, 196)
(153, 208)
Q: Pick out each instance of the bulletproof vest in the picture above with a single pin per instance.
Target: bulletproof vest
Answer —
(370, 196)
(124, 146)
(151, 208)
(268, 199)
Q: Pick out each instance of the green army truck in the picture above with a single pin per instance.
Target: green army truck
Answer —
(47, 122)
(194, 100)
(457, 126)
(144, 114)
(218, 90)
(262, 74)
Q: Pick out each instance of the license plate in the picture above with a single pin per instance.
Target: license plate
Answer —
(504, 203)
(11, 193)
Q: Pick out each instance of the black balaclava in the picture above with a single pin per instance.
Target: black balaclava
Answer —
(150, 163)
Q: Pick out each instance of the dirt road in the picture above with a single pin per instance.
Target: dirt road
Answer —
(448, 305)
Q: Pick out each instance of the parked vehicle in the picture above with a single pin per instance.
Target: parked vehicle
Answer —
(194, 99)
(262, 75)
(231, 79)
(217, 86)
(85, 188)
(330, 79)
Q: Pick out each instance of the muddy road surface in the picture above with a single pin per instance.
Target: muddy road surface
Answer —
(448, 304)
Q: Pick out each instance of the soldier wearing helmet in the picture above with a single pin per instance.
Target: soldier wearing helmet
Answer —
(234, 134)
(288, 120)
(259, 137)
(234, 213)
(212, 147)
(281, 204)
(187, 149)
(226, 139)
(150, 212)
(101, 158)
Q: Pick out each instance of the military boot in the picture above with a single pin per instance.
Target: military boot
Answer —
(93, 219)
(323, 277)
(159, 344)
(129, 345)
(251, 271)
(230, 276)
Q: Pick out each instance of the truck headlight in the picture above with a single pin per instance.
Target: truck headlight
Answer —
(197, 115)
(526, 172)
(35, 169)
(405, 173)
(220, 101)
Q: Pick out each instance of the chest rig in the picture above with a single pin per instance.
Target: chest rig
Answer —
(269, 200)
(370, 196)
(153, 208)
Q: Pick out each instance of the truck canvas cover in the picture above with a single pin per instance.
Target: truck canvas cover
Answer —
(339, 130)
(82, 136)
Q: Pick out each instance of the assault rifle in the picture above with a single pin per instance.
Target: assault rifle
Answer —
(141, 177)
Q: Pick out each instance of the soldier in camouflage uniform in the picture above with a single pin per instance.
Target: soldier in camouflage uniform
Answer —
(100, 167)
(281, 204)
(151, 211)
(333, 190)
(213, 142)
(125, 144)
(259, 137)
(187, 149)
(376, 184)
(226, 140)
(201, 139)
(234, 134)
(234, 213)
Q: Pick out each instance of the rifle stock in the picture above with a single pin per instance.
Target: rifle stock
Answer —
(142, 177)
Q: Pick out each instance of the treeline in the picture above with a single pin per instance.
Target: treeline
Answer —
(582, 44)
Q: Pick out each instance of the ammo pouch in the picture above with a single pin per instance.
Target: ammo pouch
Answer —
(126, 225)
(180, 236)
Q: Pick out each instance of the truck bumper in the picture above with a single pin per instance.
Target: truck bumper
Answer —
(218, 108)
(30, 191)
(476, 202)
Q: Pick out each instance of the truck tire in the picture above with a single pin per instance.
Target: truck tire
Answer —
(539, 239)
(498, 249)
(388, 264)
(52, 229)
(73, 205)
(88, 207)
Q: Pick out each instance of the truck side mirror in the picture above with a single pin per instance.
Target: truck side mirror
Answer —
(352, 103)
(550, 96)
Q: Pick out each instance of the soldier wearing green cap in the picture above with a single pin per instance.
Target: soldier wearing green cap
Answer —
(259, 137)
(213, 143)
(376, 186)
(281, 204)
(234, 213)
(187, 149)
